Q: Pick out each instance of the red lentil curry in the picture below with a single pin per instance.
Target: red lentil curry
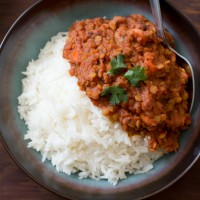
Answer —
(126, 70)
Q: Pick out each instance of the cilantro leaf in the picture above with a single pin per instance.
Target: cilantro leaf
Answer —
(117, 65)
(135, 75)
(117, 94)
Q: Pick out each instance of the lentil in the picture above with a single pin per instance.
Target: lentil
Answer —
(158, 108)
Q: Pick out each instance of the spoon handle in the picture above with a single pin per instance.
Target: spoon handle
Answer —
(155, 7)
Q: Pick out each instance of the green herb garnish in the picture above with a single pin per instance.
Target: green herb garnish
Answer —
(135, 75)
(117, 94)
(117, 65)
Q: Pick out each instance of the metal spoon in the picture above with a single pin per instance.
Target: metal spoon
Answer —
(156, 11)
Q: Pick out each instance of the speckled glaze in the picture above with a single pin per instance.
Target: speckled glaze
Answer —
(23, 42)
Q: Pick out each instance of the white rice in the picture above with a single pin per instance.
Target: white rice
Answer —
(67, 129)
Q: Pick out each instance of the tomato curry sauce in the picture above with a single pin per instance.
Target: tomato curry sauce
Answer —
(102, 54)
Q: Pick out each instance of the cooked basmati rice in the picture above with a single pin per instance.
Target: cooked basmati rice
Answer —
(67, 129)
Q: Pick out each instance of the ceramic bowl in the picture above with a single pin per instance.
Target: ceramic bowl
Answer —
(22, 43)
